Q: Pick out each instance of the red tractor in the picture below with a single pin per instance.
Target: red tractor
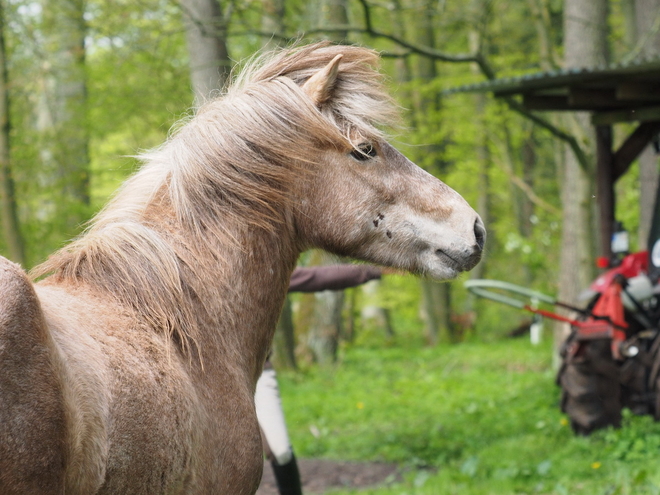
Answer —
(611, 358)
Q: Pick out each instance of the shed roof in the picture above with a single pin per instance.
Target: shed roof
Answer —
(616, 93)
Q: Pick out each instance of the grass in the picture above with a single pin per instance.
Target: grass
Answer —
(474, 418)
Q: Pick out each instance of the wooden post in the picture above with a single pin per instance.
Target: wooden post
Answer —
(605, 187)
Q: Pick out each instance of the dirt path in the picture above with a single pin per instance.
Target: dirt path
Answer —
(319, 475)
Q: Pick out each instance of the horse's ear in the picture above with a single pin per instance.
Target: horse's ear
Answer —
(319, 86)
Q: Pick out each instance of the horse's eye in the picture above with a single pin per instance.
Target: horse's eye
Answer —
(364, 152)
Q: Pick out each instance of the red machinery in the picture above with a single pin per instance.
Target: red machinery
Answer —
(611, 359)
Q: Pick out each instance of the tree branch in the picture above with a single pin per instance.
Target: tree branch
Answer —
(482, 63)
(487, 71)
(554, 130)
(507, 166)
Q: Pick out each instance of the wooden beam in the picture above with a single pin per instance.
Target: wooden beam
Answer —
(633, 115)
(638, 91)
(576, 100)
(536, 102)
(605, 188)
(633, 146)
(592, 98)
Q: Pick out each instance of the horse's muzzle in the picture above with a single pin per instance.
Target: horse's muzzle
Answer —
(466, 259)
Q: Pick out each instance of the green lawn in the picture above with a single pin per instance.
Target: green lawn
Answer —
(473, 418)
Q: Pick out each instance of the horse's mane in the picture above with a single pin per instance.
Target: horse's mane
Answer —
(232, 163)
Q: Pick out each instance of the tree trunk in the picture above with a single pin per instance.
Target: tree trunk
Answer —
(648, 187)
(334, 13)
(645, 14)
(436, 300)
(206, 35)
(629, 23)
(284, 341)
(10, 227)
(585, 45)
(62, 114)
(272, 21)
(372, 314)
(326, 327)
(585, 33)
(541, 14)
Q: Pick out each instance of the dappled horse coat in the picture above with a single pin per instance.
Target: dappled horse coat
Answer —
(130, 367)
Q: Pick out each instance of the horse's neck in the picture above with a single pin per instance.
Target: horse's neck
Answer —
(240, 287)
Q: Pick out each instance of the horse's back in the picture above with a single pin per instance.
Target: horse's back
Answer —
(32, 416)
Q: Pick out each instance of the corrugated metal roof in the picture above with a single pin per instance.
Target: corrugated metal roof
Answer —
(604, 77)
(623, 92)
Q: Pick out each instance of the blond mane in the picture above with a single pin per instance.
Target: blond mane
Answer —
(232, 164)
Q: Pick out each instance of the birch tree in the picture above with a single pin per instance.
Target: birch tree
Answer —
(646, 37)
(585, 45)
(206, 35)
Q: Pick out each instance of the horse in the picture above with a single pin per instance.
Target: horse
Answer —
(129, 358)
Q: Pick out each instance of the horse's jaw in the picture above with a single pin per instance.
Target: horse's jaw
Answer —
(425, 243)
(437, 249)
(439, 264)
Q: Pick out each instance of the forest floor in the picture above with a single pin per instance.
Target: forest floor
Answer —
(320, 475)
(471, 419)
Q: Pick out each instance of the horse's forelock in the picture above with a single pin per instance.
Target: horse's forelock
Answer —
(359, 105)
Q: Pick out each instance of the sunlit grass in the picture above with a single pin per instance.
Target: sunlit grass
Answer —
(468, 419)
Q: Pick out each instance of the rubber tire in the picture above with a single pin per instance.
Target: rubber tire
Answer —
(591, 389)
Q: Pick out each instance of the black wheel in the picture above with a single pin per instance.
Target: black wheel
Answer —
(637, 393)
(654, 378)
(591, 389)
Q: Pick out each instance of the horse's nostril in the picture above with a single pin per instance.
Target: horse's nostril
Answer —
(479, 233)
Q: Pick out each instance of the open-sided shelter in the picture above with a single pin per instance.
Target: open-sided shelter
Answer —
(628, 92)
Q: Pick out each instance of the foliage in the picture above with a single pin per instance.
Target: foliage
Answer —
(478, 418)
(138, 87)
(469, 419)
